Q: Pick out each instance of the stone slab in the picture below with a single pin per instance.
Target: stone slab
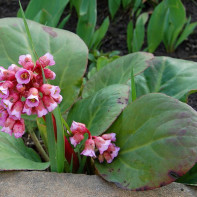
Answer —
(47, 184)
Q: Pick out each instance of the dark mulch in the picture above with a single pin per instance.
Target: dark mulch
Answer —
(116, 36)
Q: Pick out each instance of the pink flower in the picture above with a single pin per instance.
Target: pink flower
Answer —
(113, 150)
(49, 74)
(24, 59)
(41, 110)
(27, 110)
(20, 88)
(8, 126)
(16, 110)
(8, 84)
(6, 74)
(3, 115)
(23, 76)
(101, 144)
(110, 136)
(19, 128)
(47, 60)
(107, 157)
(48, 89)
(2, 70)
(109, 154)
(59, 99)
(49, 103)
(32, 99)
(78, 127)
(4, 92)
(89, 148)
(76, 139)
(14, 68)
(8, 102)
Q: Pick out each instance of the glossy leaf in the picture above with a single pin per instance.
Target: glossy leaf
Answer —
(69, 51)
(157, 139)
(100, 110)
(117, 72)
(173, 77)
(14, 155)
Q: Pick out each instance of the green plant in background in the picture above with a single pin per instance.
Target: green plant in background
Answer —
(168, 24)
(46, 12)
(98, 60)
(87, 23)
(136, 35)
(114, 5)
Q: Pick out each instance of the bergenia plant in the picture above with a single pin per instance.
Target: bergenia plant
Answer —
(138, 142)
(23, 92)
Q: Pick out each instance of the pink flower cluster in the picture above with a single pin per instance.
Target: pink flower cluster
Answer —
(22, 91)
(104, 144)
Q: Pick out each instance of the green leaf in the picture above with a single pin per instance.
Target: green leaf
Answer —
(189, 28)
(170, 17)
(174, 22)
(70, 53)
(43, 131)
(101, 62)
(60, 140)
(133, 88)
(126, 3)
(155, 27)
(139, 32)
(117, 72)
(129, 36)
(14, 155)
(64, 21)
(42, 17)
(170, 76)
(157, 139)
(113, 7)
(52, 148)
(100, 110)
(76, 4)
(99, 34)
(87, 20)
(53, 8)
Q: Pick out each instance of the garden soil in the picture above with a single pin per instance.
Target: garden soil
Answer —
(116, 36)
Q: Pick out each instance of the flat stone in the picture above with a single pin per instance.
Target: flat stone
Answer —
(47, 184)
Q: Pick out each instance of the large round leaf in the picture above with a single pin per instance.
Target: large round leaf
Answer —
(171, 76)
(100, 110)
(117, 72)
(157, 138)
(14, 155)
(69, 51)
